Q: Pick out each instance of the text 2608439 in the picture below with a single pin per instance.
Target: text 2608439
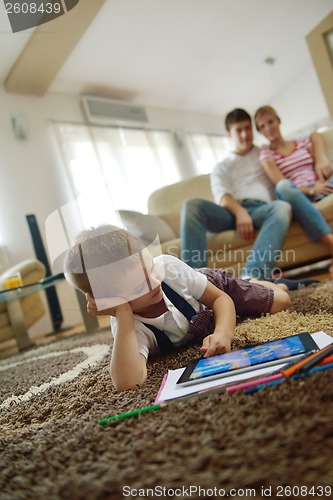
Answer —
(33, 7)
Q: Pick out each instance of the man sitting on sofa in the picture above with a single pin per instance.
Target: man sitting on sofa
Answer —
(244, 200)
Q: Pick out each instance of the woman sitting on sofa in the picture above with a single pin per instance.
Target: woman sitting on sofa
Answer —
(291, 167)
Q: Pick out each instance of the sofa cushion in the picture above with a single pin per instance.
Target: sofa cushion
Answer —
(146, 226)
(328, 139)
(169, 199)
(31, 270)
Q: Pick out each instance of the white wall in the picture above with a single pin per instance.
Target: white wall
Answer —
(33, 179)
(301, 106)
(302, 103)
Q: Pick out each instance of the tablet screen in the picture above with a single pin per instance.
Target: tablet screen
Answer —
(248, 357)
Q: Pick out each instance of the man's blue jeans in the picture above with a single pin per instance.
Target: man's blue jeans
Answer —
(199, 216)
(305, 212)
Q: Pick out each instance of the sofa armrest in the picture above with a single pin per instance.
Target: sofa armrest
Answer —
(31, 270)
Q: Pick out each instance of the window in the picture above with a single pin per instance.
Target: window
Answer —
(207, 150)
(113, 168)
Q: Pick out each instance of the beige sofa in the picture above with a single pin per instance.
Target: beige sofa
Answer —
(227, 249)
(32, 305)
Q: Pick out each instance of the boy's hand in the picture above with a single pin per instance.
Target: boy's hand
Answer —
(215, 344)
(108, 311)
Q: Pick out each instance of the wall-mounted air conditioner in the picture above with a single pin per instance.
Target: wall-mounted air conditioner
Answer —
(102, 111)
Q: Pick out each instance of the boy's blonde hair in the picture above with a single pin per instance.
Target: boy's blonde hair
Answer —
(263, 110)
(95, 248)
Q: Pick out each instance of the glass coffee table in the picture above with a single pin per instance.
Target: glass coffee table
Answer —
(13, 304)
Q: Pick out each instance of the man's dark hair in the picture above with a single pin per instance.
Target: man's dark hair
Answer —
(236, 115)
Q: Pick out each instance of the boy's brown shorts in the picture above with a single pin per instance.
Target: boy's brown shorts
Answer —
(250, 299)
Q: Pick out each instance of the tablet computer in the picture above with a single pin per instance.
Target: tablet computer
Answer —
(250, 358)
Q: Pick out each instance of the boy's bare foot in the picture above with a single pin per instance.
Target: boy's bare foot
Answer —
(286, 284)
(269, 284)
(283, 286)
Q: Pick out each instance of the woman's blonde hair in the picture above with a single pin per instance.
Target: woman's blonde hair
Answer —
(263, 110)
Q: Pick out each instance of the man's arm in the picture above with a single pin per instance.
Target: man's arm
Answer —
(322, 164)
(222, 189)
(244, 222)
(272, 171)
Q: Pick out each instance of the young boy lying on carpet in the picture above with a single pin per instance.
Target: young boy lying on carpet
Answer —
(121, 278)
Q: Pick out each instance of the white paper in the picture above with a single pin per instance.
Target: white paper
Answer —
(170, 390)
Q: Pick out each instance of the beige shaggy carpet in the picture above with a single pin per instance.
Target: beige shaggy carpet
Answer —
(276, 442)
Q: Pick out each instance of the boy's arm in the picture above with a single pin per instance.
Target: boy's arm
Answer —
(322, 164)
(128, 365)
(225, 321)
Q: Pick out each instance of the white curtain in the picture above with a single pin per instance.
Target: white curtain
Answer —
(207, 150)
(113, 168)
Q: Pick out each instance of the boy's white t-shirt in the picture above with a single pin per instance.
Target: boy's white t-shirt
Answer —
(190, 284)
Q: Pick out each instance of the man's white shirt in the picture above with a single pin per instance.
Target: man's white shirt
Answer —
(242, 177)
